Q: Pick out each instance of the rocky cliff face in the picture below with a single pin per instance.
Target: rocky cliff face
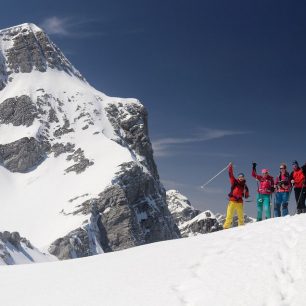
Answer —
(76, 163)
(130, 212)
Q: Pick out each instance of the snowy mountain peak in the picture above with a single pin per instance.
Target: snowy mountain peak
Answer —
(66, 148)
(180, 207)
(20, 27)
(26, 48)
(178, 200)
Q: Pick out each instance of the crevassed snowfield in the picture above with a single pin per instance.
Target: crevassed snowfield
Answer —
(259, 264)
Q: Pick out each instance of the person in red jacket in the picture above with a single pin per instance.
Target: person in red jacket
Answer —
(297, 178)
(239, 190)
(265, 190)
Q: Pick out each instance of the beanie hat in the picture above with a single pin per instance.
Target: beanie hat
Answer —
(263, 171)
(295, 163)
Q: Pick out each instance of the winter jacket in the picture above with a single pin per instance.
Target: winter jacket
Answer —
(266, 184)
(283, 183)
(239, 190)
(298, 176)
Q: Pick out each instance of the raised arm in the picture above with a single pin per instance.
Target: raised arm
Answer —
(231, 173)
(254, 173)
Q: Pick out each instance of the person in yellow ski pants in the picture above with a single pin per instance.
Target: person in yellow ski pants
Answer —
(232, 207)
(239, 190)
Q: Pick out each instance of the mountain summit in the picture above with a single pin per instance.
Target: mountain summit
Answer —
(77, 169)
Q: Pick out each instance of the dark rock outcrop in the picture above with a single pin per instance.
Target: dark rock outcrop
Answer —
(18, 111)
(204, 223)
(81, 163)
(23, 155)
(60, 148)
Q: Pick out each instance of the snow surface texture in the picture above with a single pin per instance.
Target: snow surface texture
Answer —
(62, 143)
(258, 264)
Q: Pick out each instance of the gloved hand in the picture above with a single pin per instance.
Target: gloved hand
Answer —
(254, 166)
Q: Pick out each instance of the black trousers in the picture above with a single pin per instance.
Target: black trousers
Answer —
(300, 197)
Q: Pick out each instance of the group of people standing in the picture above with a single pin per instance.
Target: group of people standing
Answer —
(281, 187)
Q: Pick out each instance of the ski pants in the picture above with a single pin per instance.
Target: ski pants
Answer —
(231, 208)
(263, 202)
(300, 197)
(281, 201)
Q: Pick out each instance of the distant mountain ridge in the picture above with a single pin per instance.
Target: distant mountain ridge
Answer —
(192, 221)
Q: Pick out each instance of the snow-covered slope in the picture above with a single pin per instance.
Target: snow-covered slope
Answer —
(18, 250)
(64, 146)
(259, 264)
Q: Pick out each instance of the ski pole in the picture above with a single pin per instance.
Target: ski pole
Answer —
(259, 199)
(290, 196)
(271, 201)
(209, 181)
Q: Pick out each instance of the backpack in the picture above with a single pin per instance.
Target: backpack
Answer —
(236, 184)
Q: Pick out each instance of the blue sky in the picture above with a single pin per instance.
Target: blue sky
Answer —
(222, 80)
